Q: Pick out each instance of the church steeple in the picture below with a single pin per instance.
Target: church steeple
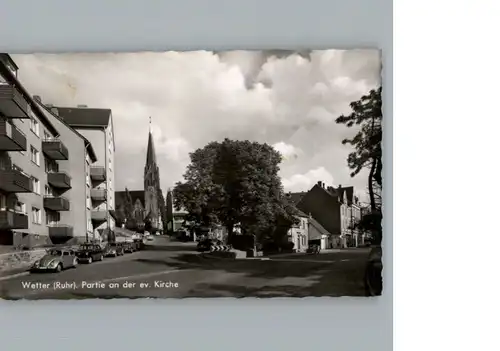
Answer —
(151, 153)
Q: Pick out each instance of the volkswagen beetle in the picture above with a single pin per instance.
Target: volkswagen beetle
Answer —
(55, 261)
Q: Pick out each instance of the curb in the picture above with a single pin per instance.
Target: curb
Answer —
(6, 277)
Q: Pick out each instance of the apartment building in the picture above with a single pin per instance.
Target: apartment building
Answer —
(28, 142)
(96, 125)
(70, 180)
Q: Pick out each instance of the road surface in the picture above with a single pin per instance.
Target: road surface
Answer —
(176, 270)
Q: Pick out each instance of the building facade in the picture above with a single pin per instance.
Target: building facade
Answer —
(70, 179)
(337, 210)
(298, 234)
(96, 126)
(42, 192)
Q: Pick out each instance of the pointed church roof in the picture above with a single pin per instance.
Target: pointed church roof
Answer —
(151, 153)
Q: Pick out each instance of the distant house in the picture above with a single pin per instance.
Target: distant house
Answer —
(299, 233)
(336, 210)
(318, 234)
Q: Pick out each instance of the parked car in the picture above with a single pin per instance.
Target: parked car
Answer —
(139, 244)
(204, 245)
(89, 253)
(128, 247)
(55, 261)
(113, 250)
(313, 249)
(373, 272)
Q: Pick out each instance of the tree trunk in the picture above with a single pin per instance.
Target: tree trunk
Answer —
(373, 205)
(378, 172)
(230, 229)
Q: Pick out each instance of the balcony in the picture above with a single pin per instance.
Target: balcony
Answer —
(12, 102)
(99, 215)
(56, 203)
(11, 138)
(61, 231)
(98, 194)
(97, 173)
(14, 181)
(55, 149)
(59, 180)
(13, 220)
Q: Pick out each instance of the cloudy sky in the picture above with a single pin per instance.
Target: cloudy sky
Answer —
(286, 99)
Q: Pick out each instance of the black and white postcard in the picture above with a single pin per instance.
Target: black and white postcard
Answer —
(191, 174)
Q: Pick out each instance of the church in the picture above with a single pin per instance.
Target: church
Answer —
(147, 204)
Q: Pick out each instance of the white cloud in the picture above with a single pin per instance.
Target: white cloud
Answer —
(287, 151)
(303, 182)
(288, 101)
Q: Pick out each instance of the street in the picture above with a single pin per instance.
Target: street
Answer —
(173, 269)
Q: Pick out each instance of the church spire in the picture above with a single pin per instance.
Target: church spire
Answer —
(151, 153)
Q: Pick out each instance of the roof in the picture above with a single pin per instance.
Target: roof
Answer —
(296, 197)
(12, 80)
(85, 117)
(134, 194)
(88, 145)
(318, 227)
(151, 153)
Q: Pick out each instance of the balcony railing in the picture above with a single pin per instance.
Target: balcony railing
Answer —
(11, 138)
(14, 181)
(61, 230)
(99, 215)
(12, 102)
(55, 149)
(59, 180)
(97, 173)
(13, 220)
(56, 203)
(98, 194)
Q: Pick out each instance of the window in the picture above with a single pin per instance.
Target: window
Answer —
(51, 165)
(36, 185)
(36, 215)
(35, 156)
(46, 136)
(48, 191)
(20, 207)
(34, 126)
(52, 218)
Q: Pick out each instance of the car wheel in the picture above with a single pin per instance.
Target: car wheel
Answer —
(90, 260)
(59, 268)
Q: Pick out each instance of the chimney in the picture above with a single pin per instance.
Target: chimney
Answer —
(37, 98)
(54, 111)
(319, 183)
(340, 186)
(81, 106)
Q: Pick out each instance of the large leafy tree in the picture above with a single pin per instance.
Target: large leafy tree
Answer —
(235, 182)
(366, 116)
